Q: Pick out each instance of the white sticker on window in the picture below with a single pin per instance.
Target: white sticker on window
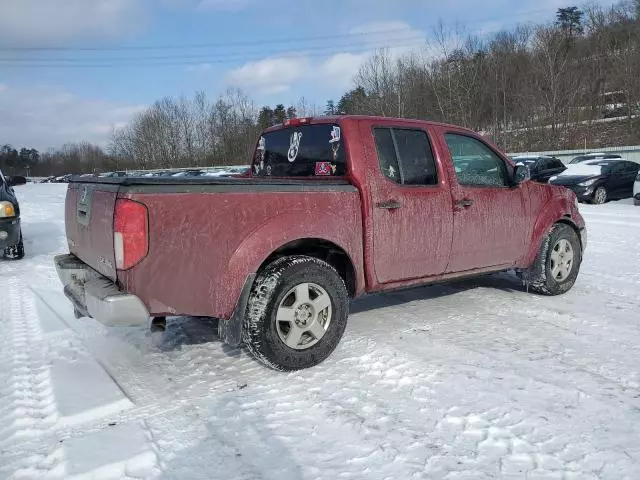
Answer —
(392, 172)
(335, 135)
(294, 146)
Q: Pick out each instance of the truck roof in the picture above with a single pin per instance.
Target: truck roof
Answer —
(374, 118)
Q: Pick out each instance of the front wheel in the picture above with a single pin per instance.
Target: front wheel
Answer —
(297, 313)
(557, 264)
(15, 252)
(600, 196)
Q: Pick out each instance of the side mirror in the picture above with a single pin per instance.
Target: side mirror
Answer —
(522, 173)
(14, 181)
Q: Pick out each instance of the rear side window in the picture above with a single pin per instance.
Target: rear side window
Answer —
(303, 151)
(632, 167)
(405, 156)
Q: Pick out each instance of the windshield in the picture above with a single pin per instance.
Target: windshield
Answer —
(301, 151)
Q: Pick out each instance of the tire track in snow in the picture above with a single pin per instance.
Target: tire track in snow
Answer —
(28, 406)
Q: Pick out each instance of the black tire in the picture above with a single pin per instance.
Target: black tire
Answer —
(600, 200)
(260, 333)
(15, 252)
(539, 277)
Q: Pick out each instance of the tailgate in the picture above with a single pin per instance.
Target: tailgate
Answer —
(89, 209)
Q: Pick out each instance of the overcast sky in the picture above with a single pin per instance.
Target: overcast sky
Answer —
(52, 92)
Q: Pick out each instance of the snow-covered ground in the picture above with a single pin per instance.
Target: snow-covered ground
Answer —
(468, 381)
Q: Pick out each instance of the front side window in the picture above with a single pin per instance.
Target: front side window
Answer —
(301, 151)
(405, 156)
(475, 163)
(631, 168)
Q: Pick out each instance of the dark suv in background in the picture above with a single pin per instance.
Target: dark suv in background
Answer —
(10, 232)
(542, 167)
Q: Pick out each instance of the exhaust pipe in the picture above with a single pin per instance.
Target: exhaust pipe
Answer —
(158, 324)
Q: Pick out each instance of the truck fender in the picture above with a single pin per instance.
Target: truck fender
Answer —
(554, 211)
(274, 234)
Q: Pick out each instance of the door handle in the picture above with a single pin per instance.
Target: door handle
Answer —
(389, 205)
(464, 203)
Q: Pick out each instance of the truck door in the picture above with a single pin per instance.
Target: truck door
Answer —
(411, 206)
(490, 217)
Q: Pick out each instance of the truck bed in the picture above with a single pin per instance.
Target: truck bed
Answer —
(205, 234)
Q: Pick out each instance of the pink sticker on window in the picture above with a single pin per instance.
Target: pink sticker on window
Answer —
(323, 168)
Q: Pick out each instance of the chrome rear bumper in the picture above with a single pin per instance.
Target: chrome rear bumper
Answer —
(96, 296)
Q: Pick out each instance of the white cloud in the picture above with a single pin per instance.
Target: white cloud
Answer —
(42, 22)
(275, 75)
(43, 117)
(340, 69)
(271, 75)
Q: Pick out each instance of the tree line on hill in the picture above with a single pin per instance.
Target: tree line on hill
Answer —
(521, 87)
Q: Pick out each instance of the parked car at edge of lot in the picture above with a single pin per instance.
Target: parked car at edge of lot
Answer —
(542, 167)
(11, 244)
(276, 254)
(594, 156)
(62, 178)
(189, 173)
(636, 190)
(112, 174)
(598, 181)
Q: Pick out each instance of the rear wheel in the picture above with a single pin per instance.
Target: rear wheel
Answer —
(600, 196)
(297, 313)
(15, 252)
(557, 264)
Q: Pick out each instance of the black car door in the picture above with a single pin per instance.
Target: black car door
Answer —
(615, 185)
(544, 170)
(556, 167)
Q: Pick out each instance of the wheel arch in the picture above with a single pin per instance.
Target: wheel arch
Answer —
(555, 211)
(322, 249)
(568, 220)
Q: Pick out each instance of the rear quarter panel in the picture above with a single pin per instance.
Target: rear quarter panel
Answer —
(202, 245)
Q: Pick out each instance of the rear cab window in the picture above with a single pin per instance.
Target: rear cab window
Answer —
(313, 150)
(405, 156)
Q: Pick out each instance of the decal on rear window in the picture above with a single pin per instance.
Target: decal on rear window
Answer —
(294, 146)
(324, 168)
(260, 150)
(335, 141)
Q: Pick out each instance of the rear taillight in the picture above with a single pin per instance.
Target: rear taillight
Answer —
(130, 233)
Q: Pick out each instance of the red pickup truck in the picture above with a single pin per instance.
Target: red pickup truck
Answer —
(333, 208)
